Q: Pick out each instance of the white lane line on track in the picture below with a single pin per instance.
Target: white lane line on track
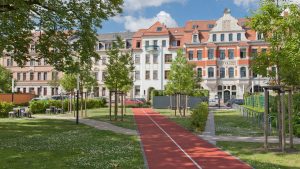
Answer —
(196, 164)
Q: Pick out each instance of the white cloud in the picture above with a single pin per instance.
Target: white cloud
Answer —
(133, 24)
(245, 3)
(135, 5)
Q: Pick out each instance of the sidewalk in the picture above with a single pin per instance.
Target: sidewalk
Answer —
(93, 123)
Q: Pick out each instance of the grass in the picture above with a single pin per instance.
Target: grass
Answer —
(182, 121)
(102, 114)
(256, 109)
(35, 144)
(253, 154)
(231, 123)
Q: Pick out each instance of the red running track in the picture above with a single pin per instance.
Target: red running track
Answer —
(168, 146)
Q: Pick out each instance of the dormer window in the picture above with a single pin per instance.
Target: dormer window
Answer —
(195, 26)
(195, 38)
(222, 37)
(259, 36)
(230, 37)
(158, 29)
(210, 26)
(239, 36)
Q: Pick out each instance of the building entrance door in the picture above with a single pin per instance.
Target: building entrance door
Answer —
(226, 96)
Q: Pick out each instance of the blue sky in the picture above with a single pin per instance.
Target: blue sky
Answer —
(143, 13)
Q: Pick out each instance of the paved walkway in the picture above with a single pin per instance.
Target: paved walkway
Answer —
(93, 123)
(167, 145)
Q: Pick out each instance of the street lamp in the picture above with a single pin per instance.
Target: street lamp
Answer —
(12, 89)
(77, 104)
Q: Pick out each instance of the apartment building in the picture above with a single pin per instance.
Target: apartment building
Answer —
(221, 50)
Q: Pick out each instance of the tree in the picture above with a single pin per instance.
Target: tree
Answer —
(68, 82)
(59, 22)
(182, 78)
(119, 71)
(280, 26)
(5, 80)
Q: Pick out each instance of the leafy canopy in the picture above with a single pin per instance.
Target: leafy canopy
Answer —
(5, 80)
(119, 68)
(60, 22)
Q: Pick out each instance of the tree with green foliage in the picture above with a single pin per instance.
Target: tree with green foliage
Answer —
(59, 23)
(68, 82)
(119, 71)
(5, 80)
(280, 26)
(182, 79)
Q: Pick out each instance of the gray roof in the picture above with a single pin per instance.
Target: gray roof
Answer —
(113, 36)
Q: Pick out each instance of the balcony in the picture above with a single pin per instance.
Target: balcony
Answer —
(151, 48)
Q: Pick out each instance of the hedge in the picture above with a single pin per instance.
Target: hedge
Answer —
(40, 106)
(199, 117)
(5, 107)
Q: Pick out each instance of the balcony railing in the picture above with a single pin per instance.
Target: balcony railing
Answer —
(152, 48)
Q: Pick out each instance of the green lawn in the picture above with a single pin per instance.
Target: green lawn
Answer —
(182, 121)
(102, 114)
(231, 123)
(36, 144)
(253, 154)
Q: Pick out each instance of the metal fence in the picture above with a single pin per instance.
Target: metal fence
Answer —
(164, 102)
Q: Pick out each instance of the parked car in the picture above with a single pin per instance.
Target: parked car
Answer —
(234, 101)
(39, 98)
(213, 102)
(59, 97)
(133, 101)
(140, 100)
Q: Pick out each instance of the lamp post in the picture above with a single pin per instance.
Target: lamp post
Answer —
(12, 90)
(77, 101)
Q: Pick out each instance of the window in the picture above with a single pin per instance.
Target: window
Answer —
(243, 53)
(243, 72)
(103, 91)
(137, 90)
(233, 87)
(231, 72)
(24, 90)
(107, 46)
(100, 46)
(238, 36)
(147, 61)
(147, 75)
(167, 73)
(45, 91)
(191, 55)
(164, 43)
(18, 76)
(137, 59)
(264, 50)
(31, 90)
(54, 75)
(210, 72)
(220, 87)
(222, 72)
(18, 90)
(259, 36)
(39, 76)
(195, 38)
(9, 62)
(137, 75)
(45, 62)
(103, 76)
(31, 77)
(155, 74)
(168, 58)
(222, 54)
(155, 59)
(128, 43)
(230, 54)
(24, 76)
(214, 37)
(32, 48)
(230, 37)
(147, 43)
(103, 60)
(253, 52)
(158, 29)
(211, 54)
(39, 62)
(155, 43)
(199, 54)
(274, 70)
(222, 37)
(199, 72)
(254, 75)
(138, 44)
(45, 76)
(96, 75)
(195, 26)
(176, 43)
(32, 62)
(210, 26)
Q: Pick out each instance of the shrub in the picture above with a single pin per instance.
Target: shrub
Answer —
(199, 117)
(5, 108)
(38, 106)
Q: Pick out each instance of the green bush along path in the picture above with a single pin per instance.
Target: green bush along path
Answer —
(35, 144)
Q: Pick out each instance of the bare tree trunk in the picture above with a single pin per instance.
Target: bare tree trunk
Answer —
(186, 103)
(116, 104)
(110, 105)
(85, 113)
(177, 102)
(74, 104)
(266, 119)
(81, 104)
(290, 111)
(279, 120)
(122, 104)
(283, 122)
